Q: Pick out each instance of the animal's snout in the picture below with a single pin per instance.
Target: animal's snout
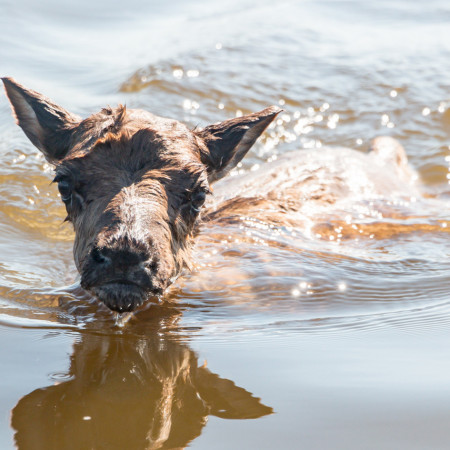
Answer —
(121, 272)
(120, 258)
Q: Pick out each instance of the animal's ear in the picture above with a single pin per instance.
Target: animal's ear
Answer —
(48, 126)
(227, 142)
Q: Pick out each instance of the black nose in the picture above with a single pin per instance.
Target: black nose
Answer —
(118, 257)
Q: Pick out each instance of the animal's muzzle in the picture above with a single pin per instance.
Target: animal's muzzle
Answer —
(121, 275)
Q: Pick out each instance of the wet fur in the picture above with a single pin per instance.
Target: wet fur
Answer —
(133, 184)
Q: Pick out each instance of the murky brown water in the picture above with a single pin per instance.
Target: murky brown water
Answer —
(329, 332)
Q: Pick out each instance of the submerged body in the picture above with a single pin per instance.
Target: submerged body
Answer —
(316, 185)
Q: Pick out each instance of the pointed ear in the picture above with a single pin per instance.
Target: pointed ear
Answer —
(228, 142)
(48, 126)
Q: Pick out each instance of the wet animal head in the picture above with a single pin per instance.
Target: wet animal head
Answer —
(133, 185)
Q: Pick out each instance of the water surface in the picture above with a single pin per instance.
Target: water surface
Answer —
(333, 335)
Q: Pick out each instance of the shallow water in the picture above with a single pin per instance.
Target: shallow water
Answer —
(333, 335)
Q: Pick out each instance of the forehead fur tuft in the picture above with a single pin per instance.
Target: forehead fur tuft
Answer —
(113, 130)
(118, 116)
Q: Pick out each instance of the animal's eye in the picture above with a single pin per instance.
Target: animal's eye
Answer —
(197, 200)
(65, 189)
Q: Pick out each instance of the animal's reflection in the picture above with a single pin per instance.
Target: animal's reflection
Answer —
(129, 391)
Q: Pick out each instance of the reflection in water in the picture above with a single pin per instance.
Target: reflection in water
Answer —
(129, 391)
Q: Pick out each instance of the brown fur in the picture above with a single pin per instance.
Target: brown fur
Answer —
(133, 184)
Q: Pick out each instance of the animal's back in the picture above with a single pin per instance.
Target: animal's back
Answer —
(317, 184)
